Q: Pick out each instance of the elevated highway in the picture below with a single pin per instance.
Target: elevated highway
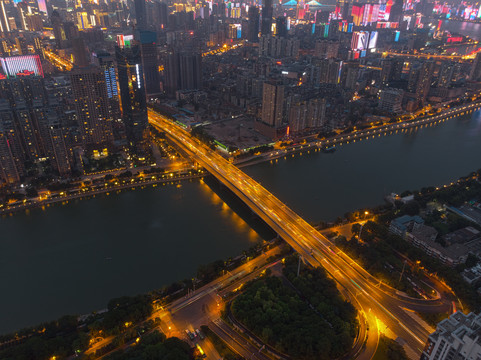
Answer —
(384, 311)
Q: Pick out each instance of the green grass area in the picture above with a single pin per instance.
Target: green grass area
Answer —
(224, 351)
(389, 350)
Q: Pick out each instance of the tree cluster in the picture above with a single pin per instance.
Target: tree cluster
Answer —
(304, 317)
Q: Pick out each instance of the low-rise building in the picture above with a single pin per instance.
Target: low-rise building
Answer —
(458, 337)
(401, 225)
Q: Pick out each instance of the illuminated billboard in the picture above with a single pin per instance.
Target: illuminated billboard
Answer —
(373, 39)
(360, 40)
(14, 66)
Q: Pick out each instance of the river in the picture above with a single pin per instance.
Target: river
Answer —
(322, 186)
(71, 259)
(470, 29)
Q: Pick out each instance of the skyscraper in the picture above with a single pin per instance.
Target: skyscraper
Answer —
(132, 92)
(106, 63)
(140, 14)
(91, 102)
(80, 55)
(253, 25)
(266, 17)
(148, 46)
(281, 26)
(4, 24)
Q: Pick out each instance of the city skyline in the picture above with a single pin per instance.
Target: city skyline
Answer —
(252, 104)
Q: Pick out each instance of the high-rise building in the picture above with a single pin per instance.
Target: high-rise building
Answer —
(326, 49)
(91, 103)
(106, 63)
(278, 47)
(11, 154)
(266, 17)
(59, 150)
(396, 11)
(184, 71)
(424, 80)
(140, 14)
(455, 338)
(4, 21)
(281, 26)
(445, 74)
(273, 104)
(148, 46)
(21, 45)
(475, 73)
(132, 92)
(306, 114)
(253, 25)
(80, 54)
(391, 100)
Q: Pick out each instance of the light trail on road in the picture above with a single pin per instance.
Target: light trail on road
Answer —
(315, 249)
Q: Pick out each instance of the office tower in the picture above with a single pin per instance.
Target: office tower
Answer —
(163, 14)
(140, 14)
(266, 17)
(150, 65)
(455, 338)
(4, 22)
(253, 25)
(281, 26)
(91, 103)
(22, 9)
(11, 154)
(58, 31)
(132, 91)
(273, 104)
(80, 53)
(475, 73)
(106, 63)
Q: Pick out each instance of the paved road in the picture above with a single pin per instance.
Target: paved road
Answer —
(382, 310)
